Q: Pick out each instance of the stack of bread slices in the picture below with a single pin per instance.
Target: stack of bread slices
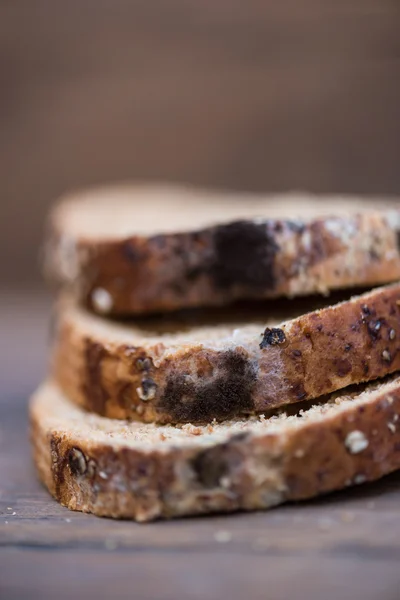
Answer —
(209, 353)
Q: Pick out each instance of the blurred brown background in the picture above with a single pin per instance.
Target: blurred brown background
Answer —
(257, 95)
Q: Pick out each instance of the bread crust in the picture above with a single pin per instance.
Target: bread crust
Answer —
(262, 258)
(92, 465)
(249, 372)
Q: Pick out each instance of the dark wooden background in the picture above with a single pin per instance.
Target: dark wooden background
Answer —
(257, 95)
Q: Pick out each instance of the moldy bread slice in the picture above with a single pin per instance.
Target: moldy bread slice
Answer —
(144, 472)
(171, 371)
(132, 250)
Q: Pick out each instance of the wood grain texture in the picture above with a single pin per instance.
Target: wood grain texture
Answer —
(345, 545)
(253, 95)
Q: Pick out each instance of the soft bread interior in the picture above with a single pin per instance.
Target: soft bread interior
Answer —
(124, 211)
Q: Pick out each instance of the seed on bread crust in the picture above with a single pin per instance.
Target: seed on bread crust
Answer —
(356, 442)
(386, 355)
(102, 300)
(147, 391)
(77, 461)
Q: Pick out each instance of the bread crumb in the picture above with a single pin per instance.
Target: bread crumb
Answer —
(192, 429)
(210, 428)
(163, 437)
(356, 442)
(222, 536)
(386, 355)
(103, 475)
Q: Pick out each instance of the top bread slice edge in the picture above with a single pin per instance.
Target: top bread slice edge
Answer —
(125, 253)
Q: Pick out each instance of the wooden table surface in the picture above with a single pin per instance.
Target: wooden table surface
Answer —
(346, 545)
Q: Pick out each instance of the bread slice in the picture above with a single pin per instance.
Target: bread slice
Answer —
(152, 371)
(144, 472)
(141, 250)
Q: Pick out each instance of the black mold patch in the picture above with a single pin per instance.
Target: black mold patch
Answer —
(318, 251)
(225, 395)
(213, 464)
(244, 255)
(130, 251)
(272, 337)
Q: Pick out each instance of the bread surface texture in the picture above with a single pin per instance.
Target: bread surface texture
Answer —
(145, 472)
(174, 372)
(135, 250)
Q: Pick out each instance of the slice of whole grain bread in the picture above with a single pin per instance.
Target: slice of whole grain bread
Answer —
(129, 250)
(144, 472)
(168, 371)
